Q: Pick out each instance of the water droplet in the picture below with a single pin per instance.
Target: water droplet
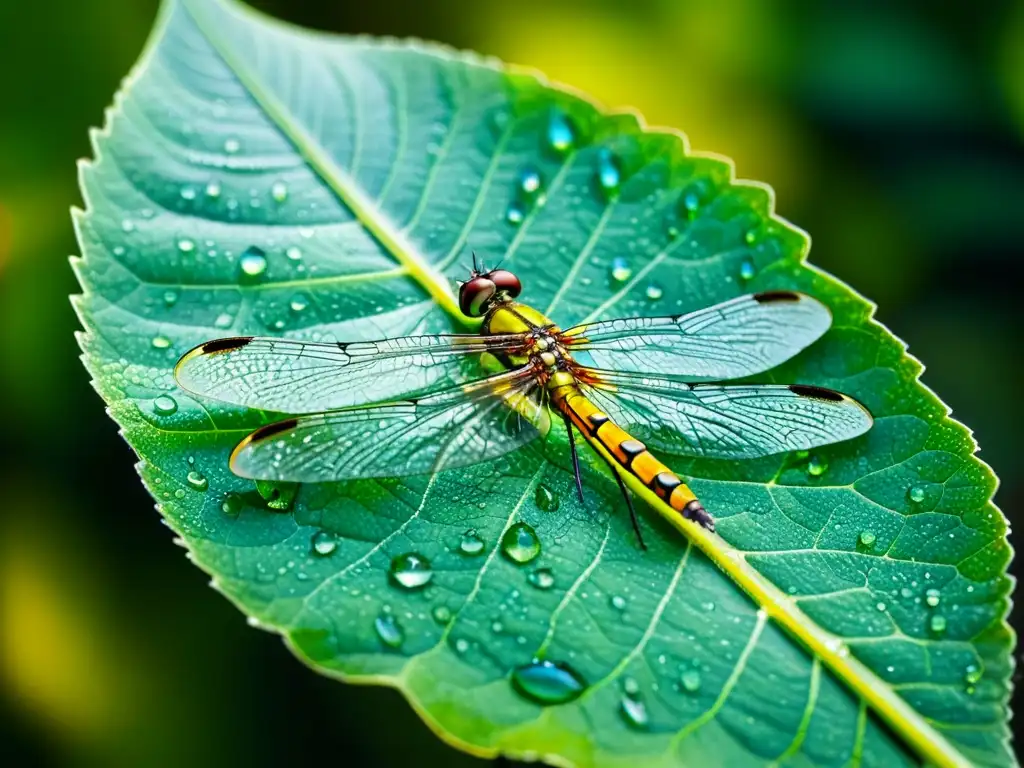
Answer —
(298, 303)
(530, 182)
(496, 627)
(747, 270)
(279, 191)
(690, 680)
(630, 686)
(170, 298)
(618, 602)
(937, 624)
(232, 145)
(520, 543)
(932, 597)
(186, 246)
(213, 190)
(609, 175)
(515, 214)
(410, 570)
(388, 630)
(232, 505)
(542, 578)
(253, 262)
(471, 544)
(880, 607)
(461, 645)
(197, 480)
(188, 193)
(324, 543)
(561, 136)
(442, 614)
(867, 538)
(127, 225)
(548, 682)
(654, 292)
(620, 270)
(751, 235)
(165, 405)
(916, 493)
(634, 712)
(277, 496)
(816, 466)
(972, 674)
(546, 499)
(161, 342)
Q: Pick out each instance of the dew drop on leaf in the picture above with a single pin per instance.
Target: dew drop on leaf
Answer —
(232, 505)
(867, 538)
(620, 270)
(972, 674)
(690, 681)
(751, 235)
(817, 466)
(161, 342)
(170, 298)
(324, 543)
(231, 146)
(634, 712)
(185, 245)
(529, 183)
(546, 498)
(279, 191)
(298, 302)
(253, 262)
(212, 190)
(542, 578)
(165, 405)
(388, 630)
(654, 292)
(442, 614)
(197, 480)
(515, 214)
(561, 137)
(937, 624)
(618, 602)
(548, 682)
(188, 193)
(410, 570)
(520, 543)
(932, 597)
(609, 175)
(278, 496)
(916, 494)
(471, 544)
(747, 270)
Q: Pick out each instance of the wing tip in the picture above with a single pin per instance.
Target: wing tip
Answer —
(257, 436)
(773, 297)
(832, 396)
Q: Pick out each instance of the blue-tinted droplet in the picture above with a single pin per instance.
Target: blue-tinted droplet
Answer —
(323, 543)
(548, 682)
(609, 173)
(561, 136)
(529, 182)
(410, 571)
(253, 262)
(520, 543)
(634, 712)
(165, 405)
(654, 292)
(747, 270)
(388, 630)
(542, 578)
(916, 494)
(621, 271)
(515, 214)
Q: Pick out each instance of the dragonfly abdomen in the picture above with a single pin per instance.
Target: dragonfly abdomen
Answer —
(631, 454)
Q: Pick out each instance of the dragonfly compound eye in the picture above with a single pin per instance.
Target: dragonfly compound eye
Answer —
(506, 281)
(475, 294)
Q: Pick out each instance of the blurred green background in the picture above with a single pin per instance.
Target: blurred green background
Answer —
(892, 131)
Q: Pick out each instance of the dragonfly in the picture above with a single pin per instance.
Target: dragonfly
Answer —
(427, 403)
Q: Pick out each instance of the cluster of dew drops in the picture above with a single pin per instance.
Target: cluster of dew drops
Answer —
(543, 680)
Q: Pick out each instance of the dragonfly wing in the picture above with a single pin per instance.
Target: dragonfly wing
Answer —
(727, 422)
(308, 377)
(743, 336)
(454, 428)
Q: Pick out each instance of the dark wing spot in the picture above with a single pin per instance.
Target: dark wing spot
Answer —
(225, 345)
(767, 297)
(270, 430)
(818, 393)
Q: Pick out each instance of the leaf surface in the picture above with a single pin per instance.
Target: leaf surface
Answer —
(255, 178)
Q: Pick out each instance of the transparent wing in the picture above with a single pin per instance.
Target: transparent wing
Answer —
(726, 422)
(743, 336)
(454, 428)
(308, 377)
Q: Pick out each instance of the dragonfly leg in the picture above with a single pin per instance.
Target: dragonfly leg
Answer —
(629, 500)
(575, 458)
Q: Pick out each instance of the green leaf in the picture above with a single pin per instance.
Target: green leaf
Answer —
(259, 179)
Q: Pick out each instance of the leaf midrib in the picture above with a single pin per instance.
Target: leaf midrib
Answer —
(828, 648)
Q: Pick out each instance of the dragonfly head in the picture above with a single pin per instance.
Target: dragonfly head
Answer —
(477, 294)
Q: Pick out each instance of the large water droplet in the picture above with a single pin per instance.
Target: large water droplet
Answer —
(530, 183)
(937, 624)
(161, 342)
(232, 505)
(690, 681)
(520, 543)
(621, 271)
(618, 602)
(294, 253)
(388, 630)
(278, 496)
(654, 292)
(170, 298)
(916, 493)
(548, 682)
(867, 538)
(972, 674)
(561, 136)
(634, 712)
(609, 174)
(410, 570)
(253, 262)
(185, 245)
(471, 544)
(817, 466)
(932, 597)
(165, 405)
(212, 190)
(515, 214)
(542, 578)
(188, 193)
(546, 498)
(442, 614)
(279, 191)
(298, 302)
(747, 270)
(197, 480)
(324, 543)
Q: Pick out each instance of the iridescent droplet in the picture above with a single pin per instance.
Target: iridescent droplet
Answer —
(324, 543)
(972, 674)
(933, 597)
(530, 182)
(621, 271)
(817, 466)
(609, 174)
(161, 342)
(548, 682)
(542, 578)
(561, 136)
(197, 480)
(213, 190)
(520, 543)
(253, 262)
(471, 544)
(916, 493)
(546, 499)
(747, 270)
(410, 570)
(279, 191)
(388, 630)
(165, 405)
(634, 712)
(654, 292)
(515, 214)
